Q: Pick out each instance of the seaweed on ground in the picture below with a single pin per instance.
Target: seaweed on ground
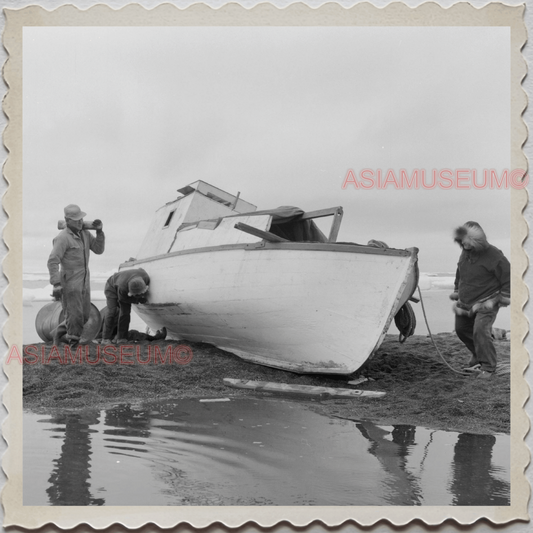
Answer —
(420, 389)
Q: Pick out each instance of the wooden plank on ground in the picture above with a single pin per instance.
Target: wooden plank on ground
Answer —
(309, 390)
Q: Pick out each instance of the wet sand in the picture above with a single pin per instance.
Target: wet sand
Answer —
(420, 389)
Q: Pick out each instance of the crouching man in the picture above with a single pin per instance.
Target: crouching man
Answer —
(482, 286)
(121, 290)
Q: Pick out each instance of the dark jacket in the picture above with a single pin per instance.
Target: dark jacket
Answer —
(482, 274)
(117, 285)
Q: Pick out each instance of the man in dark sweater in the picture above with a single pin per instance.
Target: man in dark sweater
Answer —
(123, 289)
(482, 286)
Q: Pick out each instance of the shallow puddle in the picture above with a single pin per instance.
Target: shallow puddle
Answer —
(253, 452)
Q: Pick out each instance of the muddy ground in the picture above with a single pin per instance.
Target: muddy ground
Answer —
(420, 389)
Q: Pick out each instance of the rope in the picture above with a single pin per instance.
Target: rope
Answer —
(433, 340)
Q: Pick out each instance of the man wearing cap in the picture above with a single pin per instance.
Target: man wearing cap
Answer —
(70, 251)
(121, 290)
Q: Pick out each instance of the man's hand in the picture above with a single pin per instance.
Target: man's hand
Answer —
(97, 225)
(504, 301)
(57, 292)
(454, 296)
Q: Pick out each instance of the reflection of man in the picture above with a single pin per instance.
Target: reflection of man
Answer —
(121, 290)
(71, 250)
(69, 483)
(474, 477)
(482, 286)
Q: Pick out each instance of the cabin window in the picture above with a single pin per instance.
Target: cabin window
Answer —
(169, 218)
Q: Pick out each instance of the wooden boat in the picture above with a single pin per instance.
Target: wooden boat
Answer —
(269, 286)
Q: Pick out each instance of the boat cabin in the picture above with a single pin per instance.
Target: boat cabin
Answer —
(207, 216)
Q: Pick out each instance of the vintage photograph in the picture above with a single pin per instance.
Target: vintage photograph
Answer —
(270, 265)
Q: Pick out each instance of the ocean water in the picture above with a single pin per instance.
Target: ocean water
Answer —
(435, 289)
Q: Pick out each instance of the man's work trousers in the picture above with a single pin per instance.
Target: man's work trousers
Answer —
(476, 334)
(118, 316)
(76, 302)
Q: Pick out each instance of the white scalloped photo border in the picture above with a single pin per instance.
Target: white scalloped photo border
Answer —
(332, 14)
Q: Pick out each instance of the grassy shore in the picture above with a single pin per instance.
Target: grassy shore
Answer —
(420, 389)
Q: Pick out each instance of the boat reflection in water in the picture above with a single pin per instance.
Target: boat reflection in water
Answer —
(253, 452)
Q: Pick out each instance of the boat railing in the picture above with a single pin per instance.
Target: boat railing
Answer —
(336, 212)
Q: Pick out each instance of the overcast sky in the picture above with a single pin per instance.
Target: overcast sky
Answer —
(117, 119)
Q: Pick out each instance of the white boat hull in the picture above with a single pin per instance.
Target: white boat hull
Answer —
(321, 308)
